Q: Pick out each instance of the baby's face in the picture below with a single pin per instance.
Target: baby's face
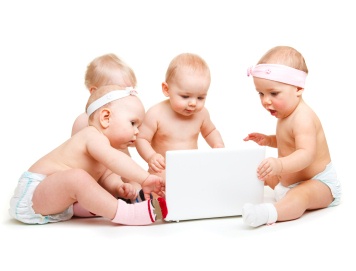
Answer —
(188, 91)
(127, 115)
(278, 98)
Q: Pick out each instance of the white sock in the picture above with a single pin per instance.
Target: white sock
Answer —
(258, 214)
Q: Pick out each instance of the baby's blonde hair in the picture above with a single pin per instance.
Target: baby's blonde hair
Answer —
(193, 61)
(284, 55)
(109, 70)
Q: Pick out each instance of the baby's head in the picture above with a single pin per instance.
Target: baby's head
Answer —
(117, 100)
(279, 78)
(187, 62)
(109, 70)
(284, 55)
(187, 83)
(117, 113)
(283, 64)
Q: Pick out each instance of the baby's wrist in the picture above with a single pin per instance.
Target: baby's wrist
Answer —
(145, 179)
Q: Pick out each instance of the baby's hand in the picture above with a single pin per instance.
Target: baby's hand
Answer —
(127, 191)
(269, 167)
(260, 139)
(154, 184)
(157, 163)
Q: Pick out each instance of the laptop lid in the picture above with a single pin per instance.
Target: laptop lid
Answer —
(212, 183)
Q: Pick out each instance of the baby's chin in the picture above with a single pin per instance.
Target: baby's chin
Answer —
(124, 146)
(130, 144)
(187, 113)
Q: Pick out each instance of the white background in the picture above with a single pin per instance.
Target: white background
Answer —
(45, 48)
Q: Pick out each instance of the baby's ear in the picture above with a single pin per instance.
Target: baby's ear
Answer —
(92, 89)
(300, 91)
(165, 89)
(104, 118)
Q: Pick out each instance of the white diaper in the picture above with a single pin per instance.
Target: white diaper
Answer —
(328, 176)
(280, 191)
(21, 202)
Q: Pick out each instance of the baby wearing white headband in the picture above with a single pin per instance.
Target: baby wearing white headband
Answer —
(109, 97)
(79, 170)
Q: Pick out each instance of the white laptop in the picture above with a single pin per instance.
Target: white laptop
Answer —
(212, 183)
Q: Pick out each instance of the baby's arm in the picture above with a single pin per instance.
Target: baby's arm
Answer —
(136, 185)
(209, 132)
(81, 122)
(157, 163)
(115, 186)
(262, 140)
(143, 144)
(297, 157)
(215, 140)
(155, 184)
(119, 163)
(270, 166)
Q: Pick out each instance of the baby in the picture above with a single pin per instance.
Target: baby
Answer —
(79, 169)
(303, 176)
(177, 122)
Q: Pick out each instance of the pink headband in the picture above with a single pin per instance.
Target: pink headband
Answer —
(279, 73)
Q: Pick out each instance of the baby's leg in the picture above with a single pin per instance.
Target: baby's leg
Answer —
(79, 211)
(60, 190)
(308, 195)
(142, 213)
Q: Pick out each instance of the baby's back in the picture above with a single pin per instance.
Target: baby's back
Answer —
(73, 153)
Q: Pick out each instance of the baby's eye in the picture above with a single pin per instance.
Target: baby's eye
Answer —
(274, 94)
(185, 97)
(260, 93)
(201, 98)
(133, 123)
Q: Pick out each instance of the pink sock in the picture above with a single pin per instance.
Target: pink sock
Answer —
(140, 213)
(80, 211)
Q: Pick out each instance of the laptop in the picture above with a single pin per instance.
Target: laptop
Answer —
(212, 183)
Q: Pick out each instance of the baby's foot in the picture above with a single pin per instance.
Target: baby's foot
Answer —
(140, 197)
(141, 213)
(160, 208)
(258, 214)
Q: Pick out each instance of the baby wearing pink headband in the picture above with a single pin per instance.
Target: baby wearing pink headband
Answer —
(279, 73)
(302, 175)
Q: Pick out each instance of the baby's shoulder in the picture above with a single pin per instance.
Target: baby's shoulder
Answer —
(159, 107)
(304, 114)
(88, 134)
(204, 113)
